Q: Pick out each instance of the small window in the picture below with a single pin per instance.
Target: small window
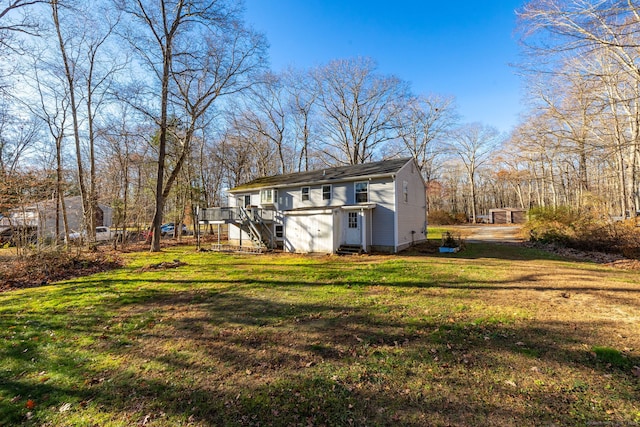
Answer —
(268, 196)
(279, 231)
(405, 191)
(362, 192)
(353, 219)
(326, 192)
(305, 194)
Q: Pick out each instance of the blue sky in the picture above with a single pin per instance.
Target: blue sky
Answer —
(461, 48)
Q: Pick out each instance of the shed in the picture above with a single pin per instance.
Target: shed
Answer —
(508, 216)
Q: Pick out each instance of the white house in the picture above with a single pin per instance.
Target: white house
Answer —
(377, 207)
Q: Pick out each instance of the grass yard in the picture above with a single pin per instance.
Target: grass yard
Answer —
(494, 335)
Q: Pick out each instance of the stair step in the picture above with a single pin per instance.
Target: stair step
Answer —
(349, 250)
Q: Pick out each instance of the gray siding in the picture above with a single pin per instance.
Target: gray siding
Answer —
(382, 192)
(411, 213)
(395, 223)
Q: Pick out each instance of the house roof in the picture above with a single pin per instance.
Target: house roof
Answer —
(328, 175)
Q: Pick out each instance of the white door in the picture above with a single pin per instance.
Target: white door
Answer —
(353, 228)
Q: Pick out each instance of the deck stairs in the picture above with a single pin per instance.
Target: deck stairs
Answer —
(250, 220)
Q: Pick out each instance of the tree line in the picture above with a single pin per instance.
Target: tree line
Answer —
(156, 107)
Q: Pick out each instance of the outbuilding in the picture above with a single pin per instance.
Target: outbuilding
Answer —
(508, 216)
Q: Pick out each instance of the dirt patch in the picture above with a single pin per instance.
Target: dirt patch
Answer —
(486, 233)
(163, 265)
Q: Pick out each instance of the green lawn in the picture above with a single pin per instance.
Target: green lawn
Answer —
(494, 335)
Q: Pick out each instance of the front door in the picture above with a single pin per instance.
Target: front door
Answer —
(353, 229)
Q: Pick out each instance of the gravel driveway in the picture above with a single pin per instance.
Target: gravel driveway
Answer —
(490, 233)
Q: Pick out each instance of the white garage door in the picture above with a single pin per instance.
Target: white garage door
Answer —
(309, 233)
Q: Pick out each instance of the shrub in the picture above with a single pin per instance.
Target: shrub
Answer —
(441, 217)
(583, 229)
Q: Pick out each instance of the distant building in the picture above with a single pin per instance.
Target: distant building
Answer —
(40, 217)
(508, 216)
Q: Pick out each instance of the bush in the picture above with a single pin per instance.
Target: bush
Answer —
(583, 229)
(441, 217)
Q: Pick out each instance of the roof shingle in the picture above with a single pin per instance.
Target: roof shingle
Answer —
(336, 174)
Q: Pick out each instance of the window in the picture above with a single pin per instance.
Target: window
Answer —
(268, 196)
(362, 192)
(305, 193)
(279, 231)
(353, 219)
(326, 192)
(405, 191)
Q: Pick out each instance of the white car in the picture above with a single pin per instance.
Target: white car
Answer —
(103, 234)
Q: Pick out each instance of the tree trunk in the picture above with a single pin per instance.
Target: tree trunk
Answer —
(86, 206)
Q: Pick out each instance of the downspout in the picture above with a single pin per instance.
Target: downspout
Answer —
(395, 214)
(363, 232)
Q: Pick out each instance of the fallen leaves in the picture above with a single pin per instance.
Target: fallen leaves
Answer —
(44, 267)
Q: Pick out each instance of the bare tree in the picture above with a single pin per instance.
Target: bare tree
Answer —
(87, 79)
(166, 36)
(16, 17)
(17, 137)
(473, 144)
(265, 114)
(71, 78)
(53, 109)
(559, 27)
(422, 125)
(302, 104)
(358, 108)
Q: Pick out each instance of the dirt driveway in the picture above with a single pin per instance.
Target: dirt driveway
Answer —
(489, 233)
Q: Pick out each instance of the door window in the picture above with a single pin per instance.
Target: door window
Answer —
(353, 219)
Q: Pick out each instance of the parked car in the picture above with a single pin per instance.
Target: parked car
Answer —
(103, 234)
(169, 229)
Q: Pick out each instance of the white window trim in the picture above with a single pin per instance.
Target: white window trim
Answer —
(330, 191)
(405, 191)
(355, 192)
(308, 194)
(273, 198)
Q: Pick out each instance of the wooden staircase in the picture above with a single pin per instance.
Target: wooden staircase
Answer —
(252, 223)
(350, 250)
(249, 220)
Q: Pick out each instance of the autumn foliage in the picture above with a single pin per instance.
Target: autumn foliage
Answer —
(585, 229)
